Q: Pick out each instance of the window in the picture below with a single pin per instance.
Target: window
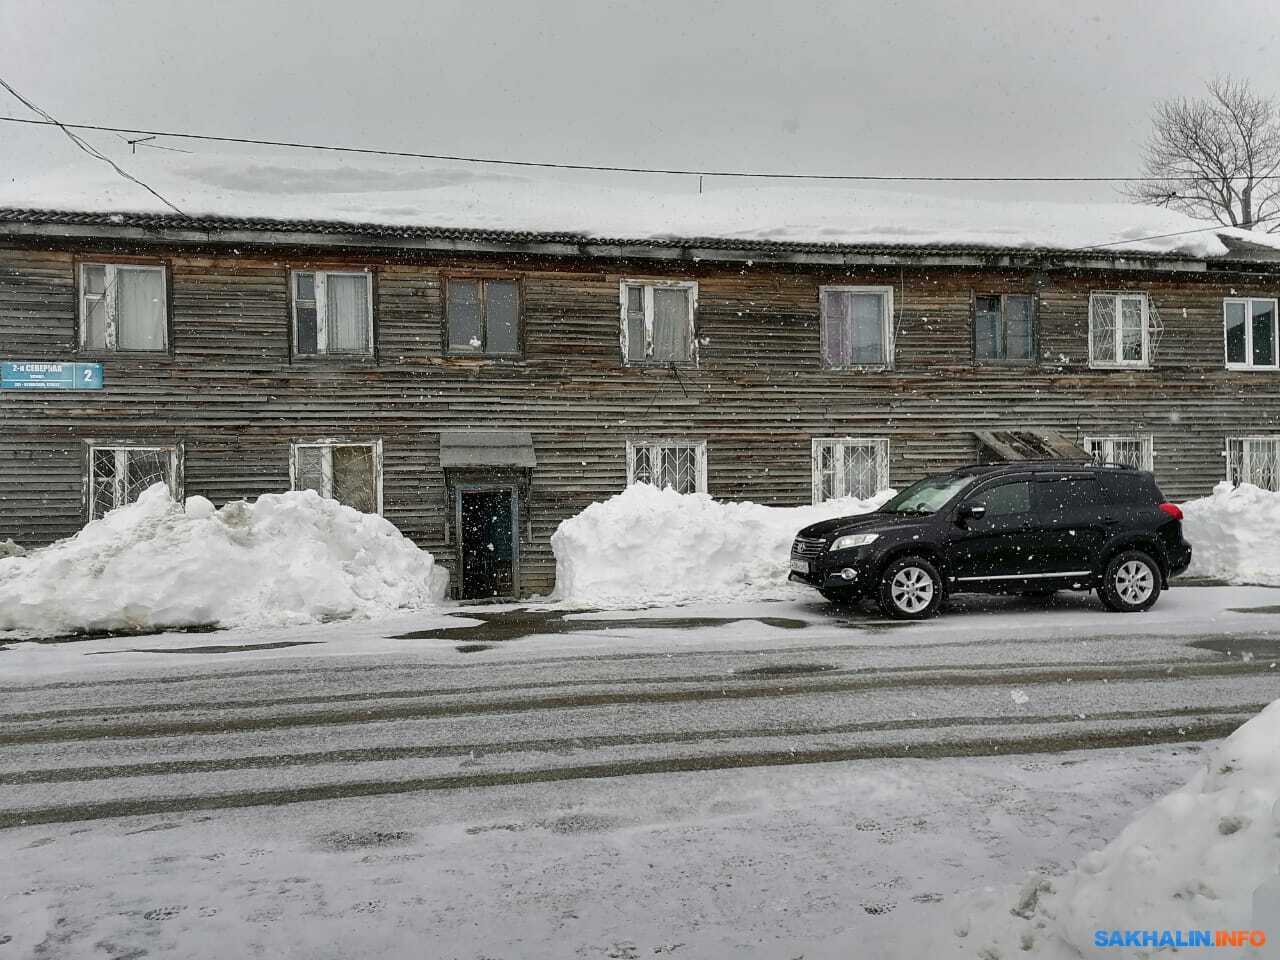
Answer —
(1069, 494)
(332, 313)
(1005, 499)
(123, 307)
(657, 321)
(1249, 328)
(1254, 460)
(857, 326)
(1138, 452)
(118, 475)
(1004, 327)
(849, 467)
(1118, 330)
(349, 472)
(679, 464)
(482, 317)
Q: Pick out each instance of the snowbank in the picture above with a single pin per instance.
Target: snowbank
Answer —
(285, 558)
(1191, 861)
(406, 192)
(1235, 534)
(649, 547)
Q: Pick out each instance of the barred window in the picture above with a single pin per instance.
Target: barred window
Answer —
(678, 464)
(347, 471)
(849, 467)
(657, 321)
(1118, 330)
(1137, 452)
(119, 475)
(123, 307)
(1254, 460)
(332, 312)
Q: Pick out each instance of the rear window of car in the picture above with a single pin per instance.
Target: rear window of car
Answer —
(1131, 487)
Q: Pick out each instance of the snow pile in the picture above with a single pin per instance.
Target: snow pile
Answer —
(650, 547)
(1191, 861)
(286, 558)
(407, 192)
(1235, 534)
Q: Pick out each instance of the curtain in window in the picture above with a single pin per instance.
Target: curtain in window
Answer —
(1130, 329)
(347, 313)
(308, 469)
(835, 329)
(94, 323)
(140, 309)
(867, 310)
(670, 324)
(636, 347)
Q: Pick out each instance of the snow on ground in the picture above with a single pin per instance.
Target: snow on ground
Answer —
(1235, 534)
(651, 547)
(422, 193)
(1191, 861)
(283, 559)
(825, 861)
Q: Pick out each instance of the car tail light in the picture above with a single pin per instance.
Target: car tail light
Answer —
(1172, 509)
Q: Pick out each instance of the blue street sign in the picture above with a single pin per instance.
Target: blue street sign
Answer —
(42, 375)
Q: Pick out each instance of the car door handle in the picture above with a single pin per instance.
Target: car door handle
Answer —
(1110, 521)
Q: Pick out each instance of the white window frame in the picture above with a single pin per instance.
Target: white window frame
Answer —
(886, 321)
(634, 447)
(1117, 296)
(110, 272)
(648, 286)
(326, 447)
(120, 480)
(322, 307)
(843, 444)
(1244, 442)
(1103, 447)
(1248, 333)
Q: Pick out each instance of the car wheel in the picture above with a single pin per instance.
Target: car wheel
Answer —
(910, 589)
(1130, 583)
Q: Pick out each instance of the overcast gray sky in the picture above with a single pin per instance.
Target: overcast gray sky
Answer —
(929, 88)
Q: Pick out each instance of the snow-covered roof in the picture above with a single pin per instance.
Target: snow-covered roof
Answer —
(400, 197)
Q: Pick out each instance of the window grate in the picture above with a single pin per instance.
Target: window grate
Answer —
(1134, 451)
(849, 467)
(119, 475)
(682, 466)
(1254, 460)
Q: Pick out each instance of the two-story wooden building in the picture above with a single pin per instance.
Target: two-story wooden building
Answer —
(477, 387)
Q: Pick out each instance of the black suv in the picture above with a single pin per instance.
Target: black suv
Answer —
(1022, 527)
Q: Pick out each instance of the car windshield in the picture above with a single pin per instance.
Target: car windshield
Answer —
(928, 495)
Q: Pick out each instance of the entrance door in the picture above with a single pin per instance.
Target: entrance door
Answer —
(487, 543)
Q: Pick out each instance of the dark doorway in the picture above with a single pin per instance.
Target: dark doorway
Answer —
(487, 544)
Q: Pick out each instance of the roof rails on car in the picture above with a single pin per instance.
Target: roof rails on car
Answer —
(1048, 463)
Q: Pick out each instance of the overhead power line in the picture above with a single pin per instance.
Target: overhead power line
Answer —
(599, 167)
(82, 144)
(1177, 233)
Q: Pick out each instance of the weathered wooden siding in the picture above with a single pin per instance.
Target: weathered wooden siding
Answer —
(232, 393)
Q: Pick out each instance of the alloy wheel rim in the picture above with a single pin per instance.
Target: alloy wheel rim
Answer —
(911, 589)
(1134, 582)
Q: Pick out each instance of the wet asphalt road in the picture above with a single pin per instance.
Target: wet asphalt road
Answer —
(470, 704)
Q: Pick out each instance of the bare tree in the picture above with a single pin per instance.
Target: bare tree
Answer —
(1215, 157)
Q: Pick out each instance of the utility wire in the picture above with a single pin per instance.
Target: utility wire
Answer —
(604, 168)
(83, 145)
(1178, 233)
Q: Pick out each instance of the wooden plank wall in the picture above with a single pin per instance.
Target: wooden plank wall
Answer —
(231, 392)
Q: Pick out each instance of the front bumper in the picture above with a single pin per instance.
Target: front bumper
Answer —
(829, 574)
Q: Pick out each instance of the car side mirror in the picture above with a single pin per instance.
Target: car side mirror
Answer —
(972, 511)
